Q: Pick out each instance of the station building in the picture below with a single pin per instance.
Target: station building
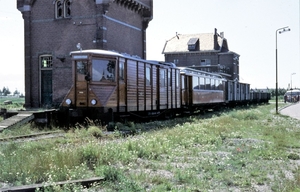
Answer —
(204, 51)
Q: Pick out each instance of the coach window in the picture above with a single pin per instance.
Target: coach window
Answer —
(212, 84)
(207, 83)
(177, 78)
(202, 85)
(163, 78)
(221, 85)
(148, 75)
(182, 82)
(103, 70)
(195, 82)
(169, 78)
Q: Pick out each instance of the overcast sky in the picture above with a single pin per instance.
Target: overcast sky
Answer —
(249, 27)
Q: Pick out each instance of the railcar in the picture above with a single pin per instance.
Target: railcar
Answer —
(201, 90)
(109, 85)
(237, 93)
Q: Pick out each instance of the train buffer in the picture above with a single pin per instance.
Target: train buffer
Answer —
(16, 120)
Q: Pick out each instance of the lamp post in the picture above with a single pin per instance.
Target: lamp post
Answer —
(292, 87)
(280, 30)
(292, 80)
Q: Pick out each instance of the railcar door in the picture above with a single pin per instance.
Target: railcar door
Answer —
(81, 89)
(186, 90)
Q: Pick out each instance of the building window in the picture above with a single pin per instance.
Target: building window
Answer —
(62, 9)
(67, 8)
(46, 62)
(205, 62)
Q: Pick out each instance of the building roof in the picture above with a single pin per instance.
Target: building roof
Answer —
(180, 42)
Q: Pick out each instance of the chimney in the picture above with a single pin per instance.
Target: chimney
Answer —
(216, 44)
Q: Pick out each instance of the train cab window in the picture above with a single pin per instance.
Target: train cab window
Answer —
(121, 70)
(202, 85)
(103, 70)
(195, 82)
(148, 75)
(81, 69)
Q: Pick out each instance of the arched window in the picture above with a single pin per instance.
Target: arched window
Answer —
(67, 6)
(62, 9)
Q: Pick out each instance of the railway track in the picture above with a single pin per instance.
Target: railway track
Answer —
(33, 137)
(31, 188)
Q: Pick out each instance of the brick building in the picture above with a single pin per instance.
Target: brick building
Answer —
(53, 28)
(205, 51)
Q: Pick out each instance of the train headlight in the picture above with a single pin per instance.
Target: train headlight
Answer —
(93, 102)
(68, 101)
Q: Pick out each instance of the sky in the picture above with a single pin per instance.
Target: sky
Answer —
(248, 25)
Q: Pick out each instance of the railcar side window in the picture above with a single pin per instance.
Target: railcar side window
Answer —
(163, 78)
(177, 78)
(212, 83)
(169, 78)
(221, 85)
(195, 82)
(103, 70)
(207, 82)
(202, 85)
(182, 82)
(148, 75)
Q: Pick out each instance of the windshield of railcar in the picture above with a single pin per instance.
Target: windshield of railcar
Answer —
(103, 70)
(81, 70)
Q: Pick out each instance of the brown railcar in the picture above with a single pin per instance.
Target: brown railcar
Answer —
(108, 84)
(201, 90)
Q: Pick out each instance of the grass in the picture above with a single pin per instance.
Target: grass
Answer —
(242, 149)
(17, 103)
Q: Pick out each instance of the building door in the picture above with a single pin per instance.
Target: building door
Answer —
(46, 87)
(46, 80)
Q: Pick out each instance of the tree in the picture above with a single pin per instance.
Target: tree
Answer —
(6, 91)
(16, 92)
